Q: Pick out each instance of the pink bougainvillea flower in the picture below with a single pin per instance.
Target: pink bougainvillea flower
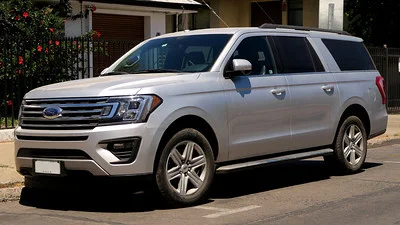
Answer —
(98, 34)
(9, 103)
(20, 60)
(25, 14)
(64, 21)
(57, 43)
(39, 48)
(79, 46)
(17, 17)
(47, 50)
(19, 71)
(94, 8)
(51, 30)
(51, 42)
(74, 42)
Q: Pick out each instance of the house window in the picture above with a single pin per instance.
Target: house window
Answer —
(266, 12)
(192, 21)
(295, 12)
(200, 20)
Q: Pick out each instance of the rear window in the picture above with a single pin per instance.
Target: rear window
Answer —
(295, 55)
(349, 55)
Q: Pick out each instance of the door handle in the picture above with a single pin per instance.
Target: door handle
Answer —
(327, 88)
(278, 91)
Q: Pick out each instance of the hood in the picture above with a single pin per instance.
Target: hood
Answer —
(117, 85)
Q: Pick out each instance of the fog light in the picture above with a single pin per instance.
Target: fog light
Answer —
(124, 149)
(121, 147)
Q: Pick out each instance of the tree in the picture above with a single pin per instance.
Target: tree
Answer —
(33, 49)
(376, 21)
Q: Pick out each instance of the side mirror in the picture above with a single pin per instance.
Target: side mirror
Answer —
(241, 65)
(238, 67)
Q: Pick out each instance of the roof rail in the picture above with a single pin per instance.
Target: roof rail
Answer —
(275, 26)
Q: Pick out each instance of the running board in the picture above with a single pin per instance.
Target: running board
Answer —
(262, 162)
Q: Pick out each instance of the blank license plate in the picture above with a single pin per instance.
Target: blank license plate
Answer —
(47, 167)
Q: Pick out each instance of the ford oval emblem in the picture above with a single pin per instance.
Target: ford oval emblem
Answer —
(52, 112)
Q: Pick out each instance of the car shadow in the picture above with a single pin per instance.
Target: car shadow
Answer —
(274, 177)
(224, 187)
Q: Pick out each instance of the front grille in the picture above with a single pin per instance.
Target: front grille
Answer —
(77, 113)
(52, 153)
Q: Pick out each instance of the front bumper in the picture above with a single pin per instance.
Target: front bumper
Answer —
(100, 160)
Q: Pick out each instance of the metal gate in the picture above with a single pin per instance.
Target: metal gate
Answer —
(387, 60)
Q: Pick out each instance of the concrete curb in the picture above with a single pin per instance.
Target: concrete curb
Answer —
(384, 142)
(6, 135)
(10, 194)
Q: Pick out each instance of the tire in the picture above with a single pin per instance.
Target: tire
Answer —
(350, 146)
(184, 179)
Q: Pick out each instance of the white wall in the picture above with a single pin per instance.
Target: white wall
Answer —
(73, 28)
(154, 20)
(337, 19)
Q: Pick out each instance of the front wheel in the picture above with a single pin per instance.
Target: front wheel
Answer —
(186, 168)
(350, 147)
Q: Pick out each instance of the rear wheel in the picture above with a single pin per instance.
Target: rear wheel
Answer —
(350, 147)
(186, 168)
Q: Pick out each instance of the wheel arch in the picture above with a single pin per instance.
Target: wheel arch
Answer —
(355, 110)
(188, 121)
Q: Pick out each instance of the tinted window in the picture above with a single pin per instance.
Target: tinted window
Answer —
(349, 55)
(296, 55)
(257, 51)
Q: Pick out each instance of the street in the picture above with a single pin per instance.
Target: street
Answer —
(304, 192)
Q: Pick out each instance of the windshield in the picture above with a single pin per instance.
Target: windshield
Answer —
(194, 53)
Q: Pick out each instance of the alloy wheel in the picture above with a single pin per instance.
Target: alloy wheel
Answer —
(186, 167)
(353, 145)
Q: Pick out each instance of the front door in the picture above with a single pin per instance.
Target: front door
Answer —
(258, 103)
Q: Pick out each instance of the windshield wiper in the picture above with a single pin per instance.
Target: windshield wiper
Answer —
(158, 71)
(114, 73)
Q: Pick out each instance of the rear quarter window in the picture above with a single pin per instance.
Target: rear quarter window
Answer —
(349, 55)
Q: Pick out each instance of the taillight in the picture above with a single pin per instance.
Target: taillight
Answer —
(380, 83)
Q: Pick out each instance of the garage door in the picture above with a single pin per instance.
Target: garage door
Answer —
(119, 34)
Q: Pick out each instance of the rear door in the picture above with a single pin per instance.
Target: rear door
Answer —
(314, 93)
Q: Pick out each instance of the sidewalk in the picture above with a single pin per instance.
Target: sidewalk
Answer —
(10, 178)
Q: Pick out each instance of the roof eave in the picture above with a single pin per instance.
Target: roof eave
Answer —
(154, 4)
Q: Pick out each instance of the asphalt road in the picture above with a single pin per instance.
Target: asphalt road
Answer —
(304, 192)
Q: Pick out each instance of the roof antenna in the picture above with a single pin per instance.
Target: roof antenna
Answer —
(215, 13)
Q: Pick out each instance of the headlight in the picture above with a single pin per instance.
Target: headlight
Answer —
(21, 108)
(134, 109)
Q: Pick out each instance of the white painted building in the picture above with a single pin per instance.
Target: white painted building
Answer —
(127, 19)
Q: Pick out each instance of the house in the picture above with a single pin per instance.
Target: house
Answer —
(242, 13)
(141, 19)
(124, 23)
(134, 20)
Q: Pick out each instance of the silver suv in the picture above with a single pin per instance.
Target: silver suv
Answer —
(180, 107)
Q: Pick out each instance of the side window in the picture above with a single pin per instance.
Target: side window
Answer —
(349, 55)
(257, 51)
(296, 55)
